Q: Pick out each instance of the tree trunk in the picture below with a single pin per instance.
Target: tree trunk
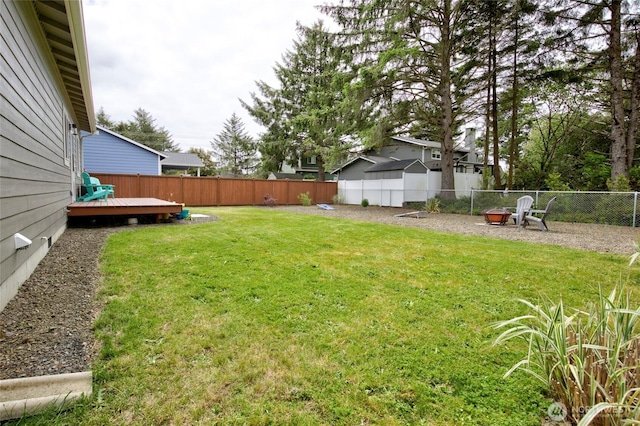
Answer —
(494, 118)
(619, 161)
(514, 106)
(320, 163)
(446, 126)
(634, 105)
(487, 117)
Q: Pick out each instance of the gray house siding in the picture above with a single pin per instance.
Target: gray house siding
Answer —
(406, 152)
(355, 170)
(415, 168)
(387, 174)
(403, 152)
(106, 153)
(39, 154)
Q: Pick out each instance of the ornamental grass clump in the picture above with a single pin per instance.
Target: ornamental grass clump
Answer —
(589, 359)
(305, 199)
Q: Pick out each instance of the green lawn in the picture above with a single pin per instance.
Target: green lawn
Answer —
(266, 317)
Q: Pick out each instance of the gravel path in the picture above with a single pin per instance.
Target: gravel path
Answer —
(46, 328)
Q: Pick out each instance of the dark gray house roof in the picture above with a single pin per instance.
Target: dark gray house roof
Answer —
(181, 160)
(392, 165)
(368, 158)
(290, 176)
(418, 142)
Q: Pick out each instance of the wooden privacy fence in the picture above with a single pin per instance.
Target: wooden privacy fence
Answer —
(215, 191)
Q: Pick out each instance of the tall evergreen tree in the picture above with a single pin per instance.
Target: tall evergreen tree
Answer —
(143, 129)
(306, 115)
(275, 145)
(104, 120)
(522, 41)
(209, 168)
(605, 36)
(418, 62)
(509, 43)
(235, 149)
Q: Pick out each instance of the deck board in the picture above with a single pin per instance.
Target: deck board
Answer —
(122, 207)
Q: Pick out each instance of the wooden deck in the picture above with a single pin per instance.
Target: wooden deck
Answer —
(123, 207)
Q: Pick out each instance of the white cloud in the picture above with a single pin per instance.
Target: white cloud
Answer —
(187, 61)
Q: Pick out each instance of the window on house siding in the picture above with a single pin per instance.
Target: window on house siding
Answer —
(435, 154)
(68, 141)
(311, 160)
(76, 154)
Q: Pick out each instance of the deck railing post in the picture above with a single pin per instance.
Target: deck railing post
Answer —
(182, 197)
(218, 190)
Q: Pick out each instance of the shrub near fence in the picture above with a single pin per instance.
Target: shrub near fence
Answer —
(215, 191)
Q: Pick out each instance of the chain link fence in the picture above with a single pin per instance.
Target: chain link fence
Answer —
(613, 208)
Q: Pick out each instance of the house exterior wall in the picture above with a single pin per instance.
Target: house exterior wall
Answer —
(355, 170)
(39, 158)
(416, 168)
(309, 163)
(386, 174)
(105, 153)
(404, 151)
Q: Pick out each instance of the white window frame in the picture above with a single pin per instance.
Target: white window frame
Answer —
(67, 147)
(436, 154)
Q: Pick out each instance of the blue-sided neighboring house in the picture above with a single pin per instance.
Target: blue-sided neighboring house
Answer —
(110, 152)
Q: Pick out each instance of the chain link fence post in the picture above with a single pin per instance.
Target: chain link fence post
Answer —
(635, 208)
(472, 194)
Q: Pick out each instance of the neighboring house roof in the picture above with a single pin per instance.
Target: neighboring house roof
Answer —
(126, 139)
(373, 159)
(393, 165)
(63, 28)
(290, 176)
(419, 142)
(181, 159)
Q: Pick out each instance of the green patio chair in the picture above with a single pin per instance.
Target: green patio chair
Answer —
(95, 190)
(109, 188)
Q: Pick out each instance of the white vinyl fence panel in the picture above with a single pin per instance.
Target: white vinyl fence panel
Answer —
(412, 187)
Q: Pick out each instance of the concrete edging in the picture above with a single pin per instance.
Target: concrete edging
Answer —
(32, 395)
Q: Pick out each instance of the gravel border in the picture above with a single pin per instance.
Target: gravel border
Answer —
(47, 327)
(583, 236)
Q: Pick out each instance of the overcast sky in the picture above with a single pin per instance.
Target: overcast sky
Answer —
(187, 62)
